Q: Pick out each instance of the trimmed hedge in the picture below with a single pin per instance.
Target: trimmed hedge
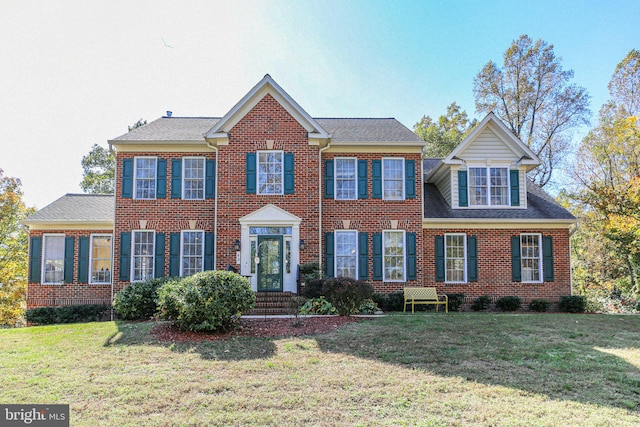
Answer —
(572, 304)
(481, 303)
(139, 300)
(66, 314)
(509, 303)
(455, 301)
(346, 294)
(540, 305)
(206, 302)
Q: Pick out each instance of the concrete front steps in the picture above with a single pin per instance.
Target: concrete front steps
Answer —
(273, 303)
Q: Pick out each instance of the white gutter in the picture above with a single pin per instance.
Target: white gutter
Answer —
(320, 253)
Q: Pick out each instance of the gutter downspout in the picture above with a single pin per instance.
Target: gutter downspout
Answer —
(115, 155)
(320, 242)
(215, 208)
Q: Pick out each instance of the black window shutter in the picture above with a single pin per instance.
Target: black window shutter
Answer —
(363, 256)
(376, 180)
(176, 178)
(329, 259)
(174, 254)
(411, 256)
(516, 265)
(159, 255)
(363, 178)
(289, 173)
(210, 180)
(328, 179)
(35, 259)
(69, 249)
(83, 259)
(125, 256)
(472, 258)
(410, 179)
(515, 187)
(440, 261)
(127, 178)
(377, 256)
(209, 251)
(547, 259)
(463, 192)
(161, 179)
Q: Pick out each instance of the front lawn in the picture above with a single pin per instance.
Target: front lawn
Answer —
(424, 369)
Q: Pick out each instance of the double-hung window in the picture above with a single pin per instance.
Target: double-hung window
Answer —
(345, 178)
(270, 172)
(488, 186)
(53, 259)
(393, 246)
(455, 258)
(142, 253)
(193, 171)
(192, 253)
(346, 258)
(145, 178)
(100, 262)
(393, 179)
(531, 257)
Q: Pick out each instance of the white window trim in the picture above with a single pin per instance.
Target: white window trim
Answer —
(91, 282)
(204, 177)
(153, 255)
(488, 176)
(135, 178)
(540, 259)
(43, 259)
(335, 251)
(402, 178)
(182, 249)
(355, 177)
(404, 257)
(464, 267)
(258, 173)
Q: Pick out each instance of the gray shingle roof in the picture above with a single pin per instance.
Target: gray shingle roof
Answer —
(76, 208)
(341, 130)
(367, 130)
(539, 206)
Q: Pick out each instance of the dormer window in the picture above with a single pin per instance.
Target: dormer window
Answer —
(488, 186)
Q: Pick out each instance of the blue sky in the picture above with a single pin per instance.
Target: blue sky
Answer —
(75, 73)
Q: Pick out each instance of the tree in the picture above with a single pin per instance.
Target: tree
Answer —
(531, 93)
(13, 251)
(445, 134)
(99, 167)
(608, 167)
(99, 171)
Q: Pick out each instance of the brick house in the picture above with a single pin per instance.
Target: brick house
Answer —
(267, 188)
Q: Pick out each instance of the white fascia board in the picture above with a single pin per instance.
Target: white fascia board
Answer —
(488, 223)
(70, 225)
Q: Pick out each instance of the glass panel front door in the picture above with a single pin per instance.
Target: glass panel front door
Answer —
(270, 263)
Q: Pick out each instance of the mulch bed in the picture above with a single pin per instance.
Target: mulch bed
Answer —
(258, 327)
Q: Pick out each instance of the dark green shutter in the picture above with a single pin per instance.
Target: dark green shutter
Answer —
(376, 179)
(35, 259)
(174, 254)
(363, 256)
(547, 259)
(363, 179)
(329, 255)
(159, 255)
(472, 259)
(69, 249)
(127, 178)
(289, 175)
(209, 251)
(515, 188)
(411, 256)
(251, 173)
(210, 179)
(125, 256)
(440, 261)
(516, 266)
(161, 179)
(83, 259)
(377, 256)
(410, 179)
(176, 178)
(328, 179)
(463, 192)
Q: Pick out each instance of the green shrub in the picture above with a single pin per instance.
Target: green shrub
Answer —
(313, 289)
(346, 294)
(572, 304)
(311, 271)
(66, 314)
(318, 306)
(206, 302)
(455, 301)
(509, 303)
(389, 302)
(139, 300)
(368, 307)
(539, 305)
(481, 303)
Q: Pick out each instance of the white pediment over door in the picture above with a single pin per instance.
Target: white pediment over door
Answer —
(270, 215)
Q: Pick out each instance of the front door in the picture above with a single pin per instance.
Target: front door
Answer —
(270, 263)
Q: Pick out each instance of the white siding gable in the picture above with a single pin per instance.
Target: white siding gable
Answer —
(488, 146)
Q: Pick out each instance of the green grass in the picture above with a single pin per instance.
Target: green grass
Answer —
(414, 370)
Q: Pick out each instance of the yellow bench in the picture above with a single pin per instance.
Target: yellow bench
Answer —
(415, 296)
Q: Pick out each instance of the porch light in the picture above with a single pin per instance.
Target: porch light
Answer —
(301, 245)
(236, 245)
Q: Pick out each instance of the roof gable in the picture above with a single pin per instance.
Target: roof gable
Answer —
(266, 86)
(492, 126)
